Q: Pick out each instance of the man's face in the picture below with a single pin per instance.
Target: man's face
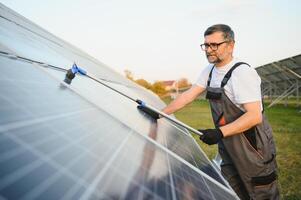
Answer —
(224, 50)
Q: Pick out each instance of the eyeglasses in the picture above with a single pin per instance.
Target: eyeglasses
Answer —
(213, 46)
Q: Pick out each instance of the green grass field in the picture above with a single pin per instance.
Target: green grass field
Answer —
(286, 124)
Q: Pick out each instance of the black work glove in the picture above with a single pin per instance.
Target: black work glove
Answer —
(211, 136)
(151, 113)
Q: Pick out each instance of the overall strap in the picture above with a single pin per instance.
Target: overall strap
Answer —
(210, 75)
(229, 73)
(228, 76)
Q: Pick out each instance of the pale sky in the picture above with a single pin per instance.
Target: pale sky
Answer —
(159, 39)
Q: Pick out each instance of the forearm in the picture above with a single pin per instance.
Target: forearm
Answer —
(177, 104)
(243, 123)
(183, 99)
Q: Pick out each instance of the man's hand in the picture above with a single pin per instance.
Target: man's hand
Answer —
(211, 136)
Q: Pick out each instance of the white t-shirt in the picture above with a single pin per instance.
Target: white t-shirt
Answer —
(242, 87)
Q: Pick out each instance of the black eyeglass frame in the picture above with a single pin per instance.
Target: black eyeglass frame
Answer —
(213, 46)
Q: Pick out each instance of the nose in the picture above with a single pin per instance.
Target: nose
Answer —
(208, 50)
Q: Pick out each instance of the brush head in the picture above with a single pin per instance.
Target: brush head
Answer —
(71, 73)
(154, 115)
(69, 76)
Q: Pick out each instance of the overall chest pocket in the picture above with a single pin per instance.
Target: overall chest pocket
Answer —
(214, 95)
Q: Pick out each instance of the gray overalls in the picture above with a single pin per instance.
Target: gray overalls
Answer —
(248, 159)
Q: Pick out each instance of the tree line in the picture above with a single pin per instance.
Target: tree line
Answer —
(157, 87)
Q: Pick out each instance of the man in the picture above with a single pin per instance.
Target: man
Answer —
(244, 137)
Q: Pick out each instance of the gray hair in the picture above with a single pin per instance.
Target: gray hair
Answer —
(225, 29)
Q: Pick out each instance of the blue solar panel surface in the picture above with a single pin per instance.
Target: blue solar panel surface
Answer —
(85, 141)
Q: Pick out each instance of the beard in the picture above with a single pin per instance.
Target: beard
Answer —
(213, 59)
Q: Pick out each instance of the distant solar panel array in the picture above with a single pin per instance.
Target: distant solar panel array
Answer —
(85, 141)
(281, 79)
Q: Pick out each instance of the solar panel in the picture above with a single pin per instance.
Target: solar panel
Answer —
(284, 70)
(281, 79)
(85, 141)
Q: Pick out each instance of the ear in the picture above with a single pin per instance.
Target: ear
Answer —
(231, 45)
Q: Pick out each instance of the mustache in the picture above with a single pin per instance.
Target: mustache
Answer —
(210, 55)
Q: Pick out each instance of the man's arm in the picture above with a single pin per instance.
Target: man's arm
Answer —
(183, 99)
(250, 118)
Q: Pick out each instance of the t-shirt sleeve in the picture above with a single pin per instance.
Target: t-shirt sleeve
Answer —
(203, 77)
(246, 85)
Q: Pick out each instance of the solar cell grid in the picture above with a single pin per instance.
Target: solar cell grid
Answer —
(83, 141)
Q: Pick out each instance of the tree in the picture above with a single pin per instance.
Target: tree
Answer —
(144, 83)
(159, 88)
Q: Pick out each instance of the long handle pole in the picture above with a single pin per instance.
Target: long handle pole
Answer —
(75, 69)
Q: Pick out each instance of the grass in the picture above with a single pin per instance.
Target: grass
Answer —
(286, 124)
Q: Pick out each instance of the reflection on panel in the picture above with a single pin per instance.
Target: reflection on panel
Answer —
(157, 174)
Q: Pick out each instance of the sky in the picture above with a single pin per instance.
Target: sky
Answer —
(160, 39)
